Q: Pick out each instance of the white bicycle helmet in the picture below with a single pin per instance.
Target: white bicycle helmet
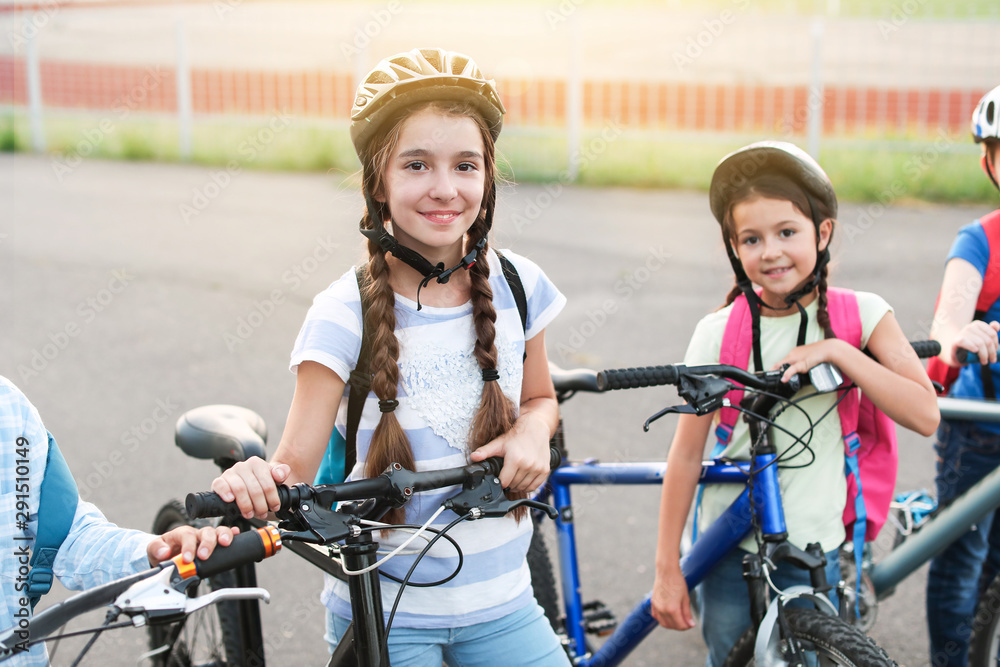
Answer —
(419, 76)
(986, 117)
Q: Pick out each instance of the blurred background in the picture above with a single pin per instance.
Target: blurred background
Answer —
(655, 89)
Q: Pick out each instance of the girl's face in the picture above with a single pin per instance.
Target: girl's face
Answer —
(777, 245)
(435, 183)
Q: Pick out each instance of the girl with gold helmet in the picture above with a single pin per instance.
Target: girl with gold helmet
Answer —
(456, 372)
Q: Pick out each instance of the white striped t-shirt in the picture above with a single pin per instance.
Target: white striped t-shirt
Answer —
(439, 392)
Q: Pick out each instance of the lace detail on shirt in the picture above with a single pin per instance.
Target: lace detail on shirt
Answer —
(444, 384)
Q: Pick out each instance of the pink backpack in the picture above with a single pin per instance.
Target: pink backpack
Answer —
(869, 435)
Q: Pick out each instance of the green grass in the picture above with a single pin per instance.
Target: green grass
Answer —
(904, 169)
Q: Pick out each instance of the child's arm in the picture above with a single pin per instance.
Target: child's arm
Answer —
(953, 325)
(525, 448)
(252, 483)
(670, 600)
(897, 384)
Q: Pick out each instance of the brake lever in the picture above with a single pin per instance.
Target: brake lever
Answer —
(684, 409)
(485, 498)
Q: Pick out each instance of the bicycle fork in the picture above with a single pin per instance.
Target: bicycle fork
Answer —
(364, 642)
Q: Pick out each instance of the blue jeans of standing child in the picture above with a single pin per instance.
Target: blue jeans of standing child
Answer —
(522, 638)
(725, 600)
(966, 454)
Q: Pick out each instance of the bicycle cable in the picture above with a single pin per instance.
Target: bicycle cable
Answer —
(413, 567)
(398, 550)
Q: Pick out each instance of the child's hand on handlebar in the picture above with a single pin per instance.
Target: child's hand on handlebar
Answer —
(804, 357)
(525, 453)
(186, 539)
(252, 485)
(978, 338)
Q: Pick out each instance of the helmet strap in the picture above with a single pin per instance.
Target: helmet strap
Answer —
(987, 164)
(415, 260)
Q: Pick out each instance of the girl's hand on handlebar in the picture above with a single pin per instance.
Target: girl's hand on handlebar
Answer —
(186, 540)
(671, 604)
(525, 453)
(978, 338)
(252, 485)
(804, 357)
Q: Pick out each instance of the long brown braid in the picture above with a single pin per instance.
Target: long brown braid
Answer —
(779, 187)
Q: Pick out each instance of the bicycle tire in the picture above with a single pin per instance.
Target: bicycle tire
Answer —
(543, 580)
(984, 645)
(219, 624)
(832, 640)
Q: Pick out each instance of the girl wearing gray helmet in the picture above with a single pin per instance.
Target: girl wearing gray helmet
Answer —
(777, 209)
(455, 374)
(967, 318)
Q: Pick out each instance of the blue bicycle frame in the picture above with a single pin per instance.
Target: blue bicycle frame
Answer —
(712, 545)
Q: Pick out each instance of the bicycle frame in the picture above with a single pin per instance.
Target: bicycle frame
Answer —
(722, 537)
(952, 522)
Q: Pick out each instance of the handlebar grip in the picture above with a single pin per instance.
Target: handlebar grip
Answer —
(252, 546)
(631, 378)
(208, 504)
(926, 348)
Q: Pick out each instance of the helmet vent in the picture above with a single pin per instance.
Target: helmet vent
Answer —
(433, 58)
(379, 77)
(458, 65)
(991, 112)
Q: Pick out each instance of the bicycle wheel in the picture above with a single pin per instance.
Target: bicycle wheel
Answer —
(826, 640)
(543, 581)
(210, 636)
(984, 646)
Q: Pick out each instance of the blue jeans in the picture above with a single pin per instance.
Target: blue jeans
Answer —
(966, 454)
(523, 637)
(725, 600)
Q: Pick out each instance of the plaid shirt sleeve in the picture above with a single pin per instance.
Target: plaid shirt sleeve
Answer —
(95, 551)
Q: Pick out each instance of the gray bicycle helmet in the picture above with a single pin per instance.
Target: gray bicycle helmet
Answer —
(769, 157)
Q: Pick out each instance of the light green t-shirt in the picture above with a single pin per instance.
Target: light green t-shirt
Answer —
(813, 496)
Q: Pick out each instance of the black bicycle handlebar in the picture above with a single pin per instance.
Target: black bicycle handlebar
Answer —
(396, 484)
(654, 376)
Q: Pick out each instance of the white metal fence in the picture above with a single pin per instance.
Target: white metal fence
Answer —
(563, 66)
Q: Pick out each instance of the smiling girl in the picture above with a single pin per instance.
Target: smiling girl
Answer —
(454, 374)
(777, 210)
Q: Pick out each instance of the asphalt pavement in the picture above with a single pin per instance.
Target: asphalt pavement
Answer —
(135, 291)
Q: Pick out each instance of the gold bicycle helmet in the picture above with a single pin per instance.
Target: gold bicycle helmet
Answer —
(417, 76)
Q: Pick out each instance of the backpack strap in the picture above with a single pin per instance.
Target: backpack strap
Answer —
(737, 340)
(845, 320)
(516, 287)
(990, 291)
(56, 511)
(360, 380)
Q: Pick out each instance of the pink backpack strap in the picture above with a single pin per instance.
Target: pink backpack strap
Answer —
(845, 320)
(737, 342)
